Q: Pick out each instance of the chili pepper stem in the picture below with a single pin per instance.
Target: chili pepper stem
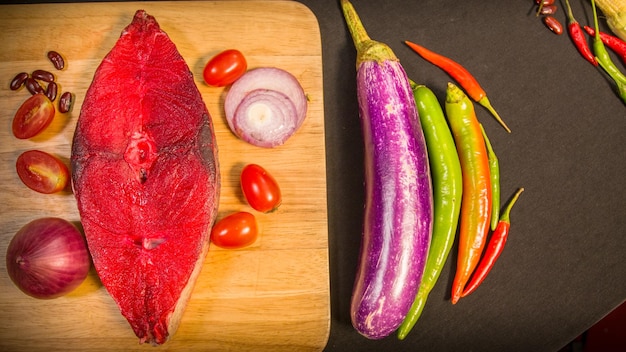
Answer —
(539, 9)
(484, 101)
(570, 13)
(506, 212)
(595, 20)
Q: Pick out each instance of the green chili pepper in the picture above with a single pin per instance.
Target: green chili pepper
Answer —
(447, 184)
(604, 60)
(494, 173)
(476, 203)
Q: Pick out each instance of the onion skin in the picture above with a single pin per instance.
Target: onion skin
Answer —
(48, 258)
(398, 193)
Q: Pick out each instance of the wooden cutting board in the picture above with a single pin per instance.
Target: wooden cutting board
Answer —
(272, 296)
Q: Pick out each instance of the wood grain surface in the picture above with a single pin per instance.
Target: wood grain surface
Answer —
(271, 296)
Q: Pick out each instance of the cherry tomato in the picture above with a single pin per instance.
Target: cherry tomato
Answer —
(260, 189)
(237, 230)
(42, 172)
(224, 68)
(33, 116)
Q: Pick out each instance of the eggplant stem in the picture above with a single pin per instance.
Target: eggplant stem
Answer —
(366, 48)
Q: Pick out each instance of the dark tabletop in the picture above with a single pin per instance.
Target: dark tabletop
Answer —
(564, 265)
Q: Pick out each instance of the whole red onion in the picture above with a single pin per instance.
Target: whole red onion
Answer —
(48, 258)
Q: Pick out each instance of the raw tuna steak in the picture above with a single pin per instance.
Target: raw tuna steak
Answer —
(146, 177)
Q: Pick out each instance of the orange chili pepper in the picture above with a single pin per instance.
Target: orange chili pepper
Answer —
(494, 248)
(476, 201)
(460, 74)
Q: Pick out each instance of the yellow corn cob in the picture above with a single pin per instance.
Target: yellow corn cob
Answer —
(615, 12)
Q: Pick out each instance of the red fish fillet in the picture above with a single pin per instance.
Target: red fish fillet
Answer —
(146, 177)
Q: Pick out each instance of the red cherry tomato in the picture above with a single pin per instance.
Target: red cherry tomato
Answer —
(237, 230)
(42, 172)
(33, 116)
(224, 68)
(260, 189)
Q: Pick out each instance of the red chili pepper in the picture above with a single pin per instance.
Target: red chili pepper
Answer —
(578, 36)
(614, 43)
(461, 75)
(494, 248)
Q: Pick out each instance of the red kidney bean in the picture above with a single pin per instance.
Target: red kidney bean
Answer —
(33, 86)
(553, 24)
(51, 91)
(65, 102)
(18, 80)
(548, 10)
(43, 75)
(57, 59)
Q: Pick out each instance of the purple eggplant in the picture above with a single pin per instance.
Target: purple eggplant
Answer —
(398, 193)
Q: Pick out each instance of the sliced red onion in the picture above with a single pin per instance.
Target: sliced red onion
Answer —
(265, 106)
(265, 118)
(48, 258)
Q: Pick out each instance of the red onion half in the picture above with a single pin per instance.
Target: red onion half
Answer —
(265, 106)
(48, 258)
